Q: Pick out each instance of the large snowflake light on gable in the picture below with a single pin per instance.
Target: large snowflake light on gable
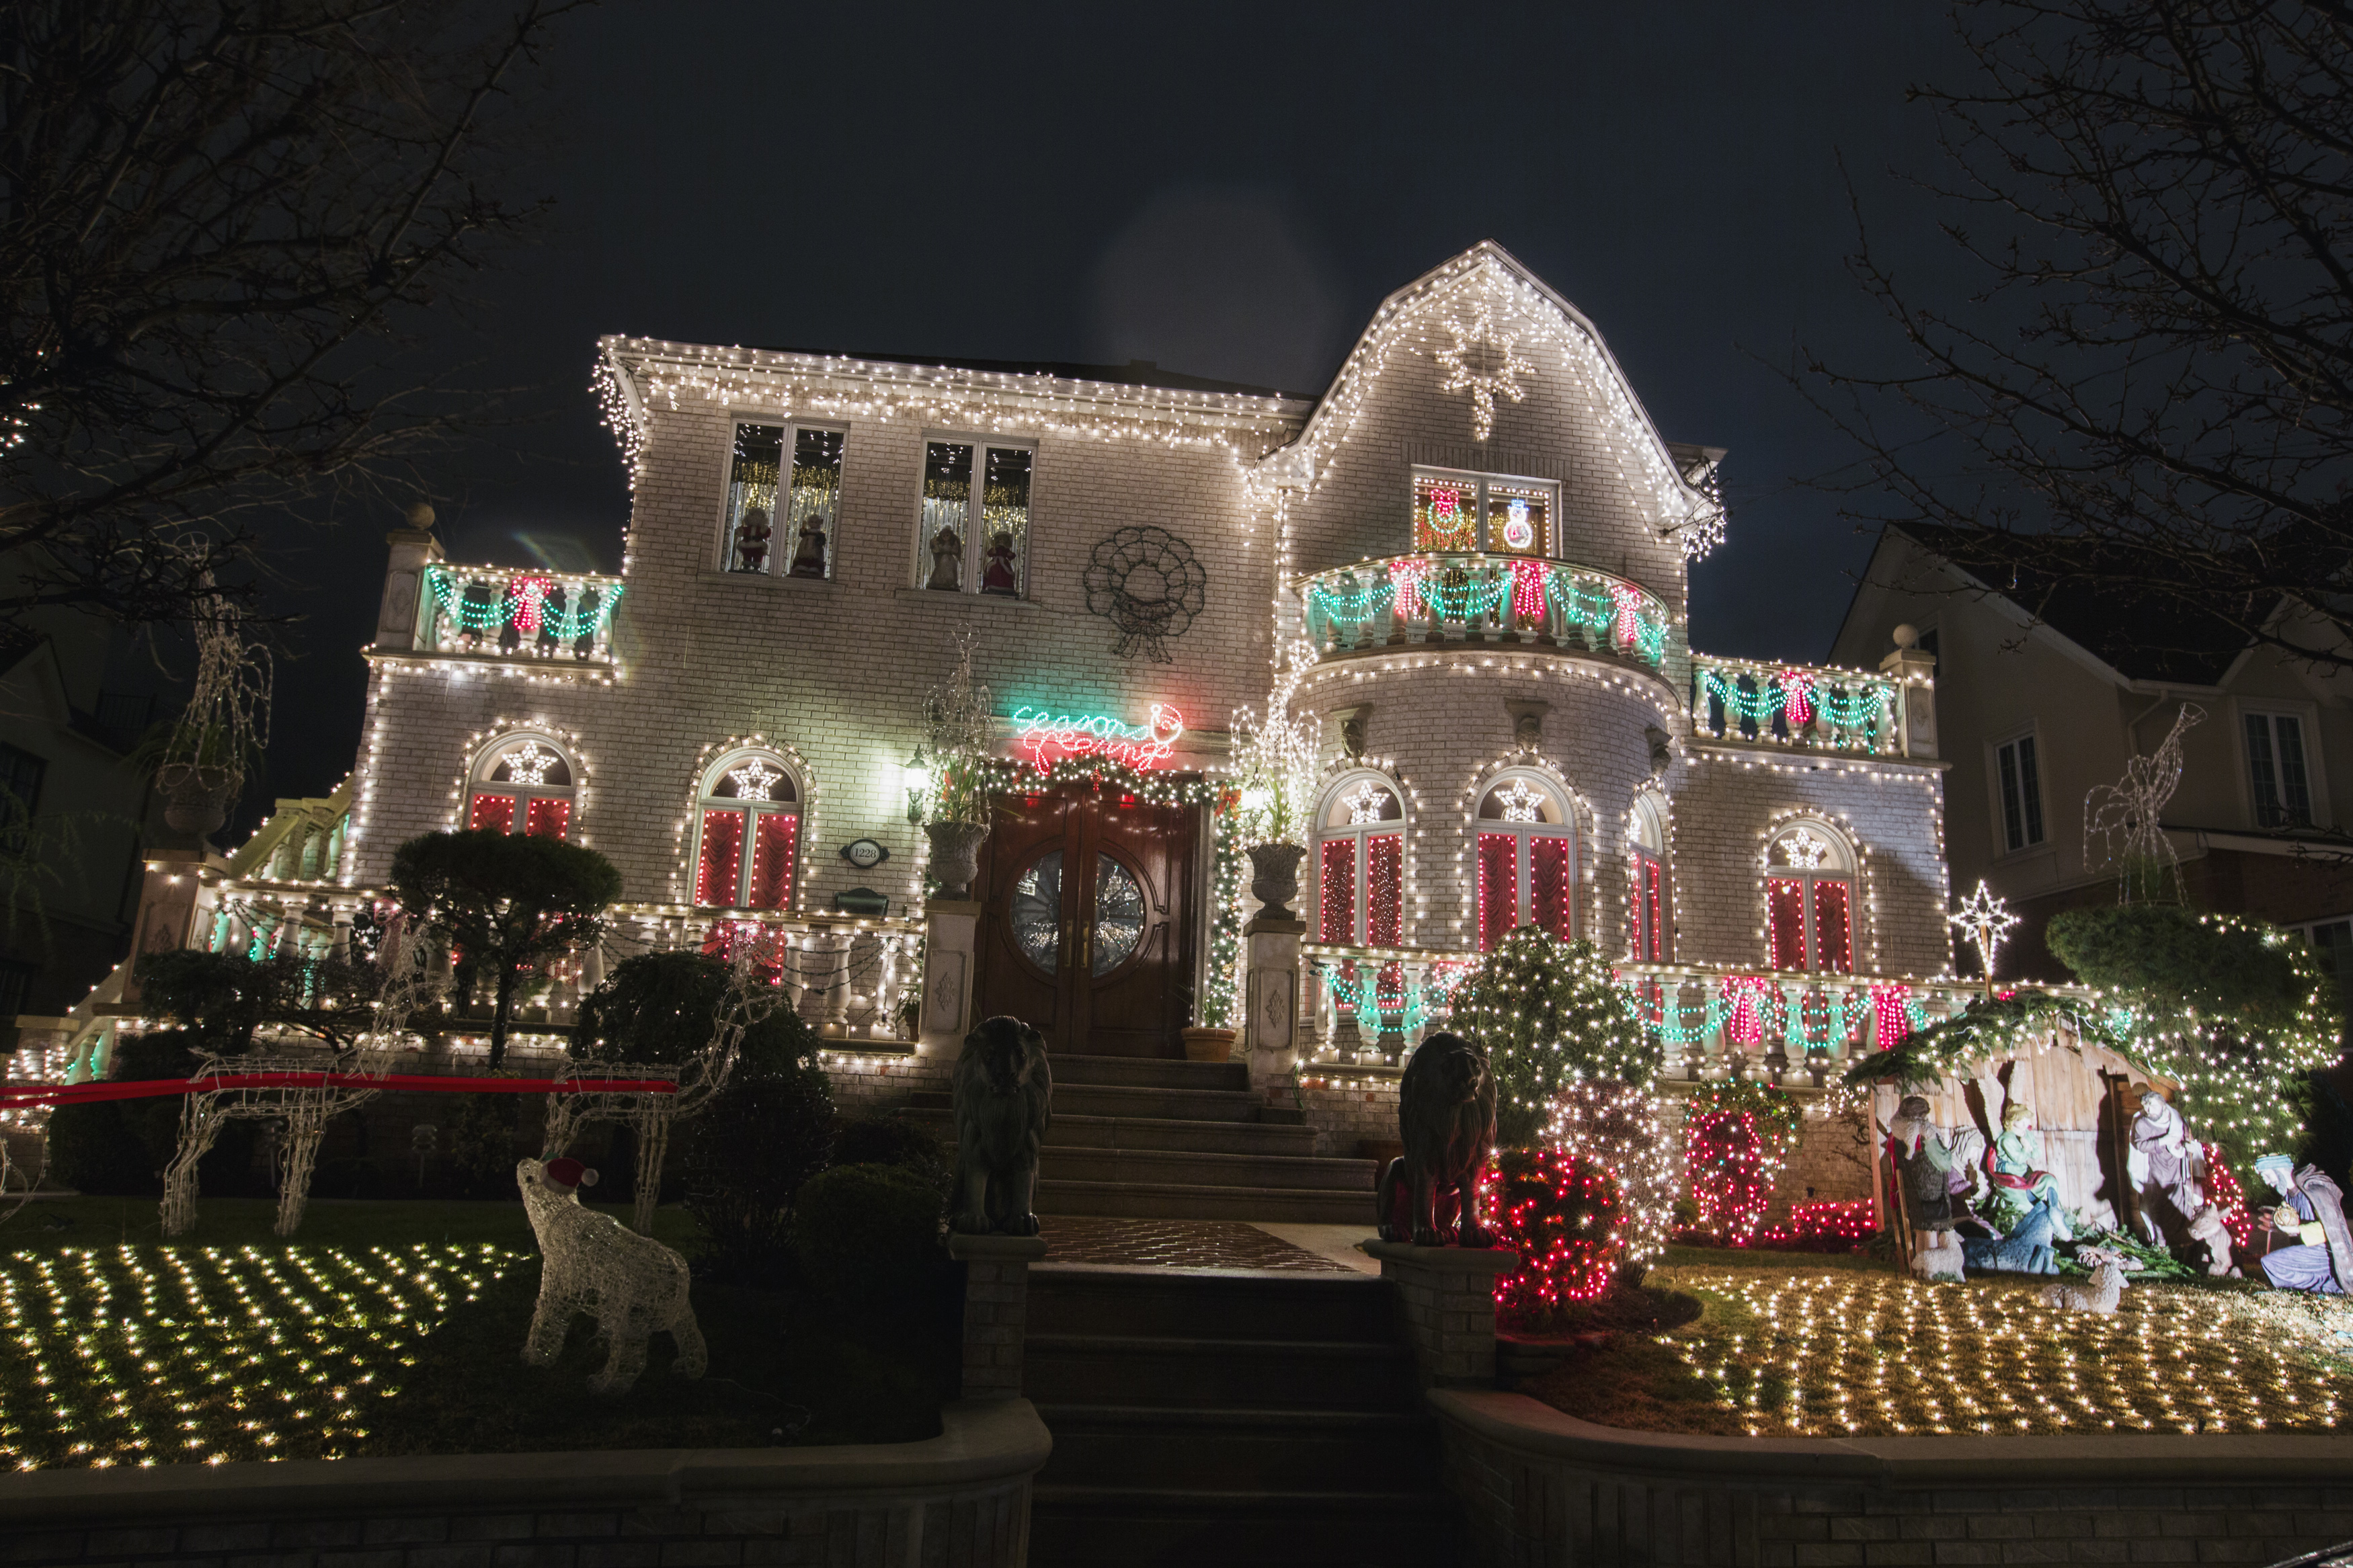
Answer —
(1804, 849)
(529, 763)
(1499, 367)
(754, 780)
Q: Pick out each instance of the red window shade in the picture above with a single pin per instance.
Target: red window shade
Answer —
(1499, 887)
(1552, 885)
(545, 819)
(1654, 893)
(722, 856)
(492, 814)
(1336, 893)
(1784, 914)
(1384, 890)
(772, 859)
(1833, 944)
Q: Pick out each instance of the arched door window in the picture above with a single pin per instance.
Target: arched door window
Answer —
(1809, 898)
(1650, 899)
(1527, 859)
(522, 785)
(747, 834)
(1360, 865)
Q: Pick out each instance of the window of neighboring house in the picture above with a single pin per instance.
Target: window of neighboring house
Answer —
(2017, 784)
(522, 785)
(16, 979)
(1527, 859)
(2332, 947)
(2275, 770)
(747, 834)
(1810, 900)
(20, 796)
(1360, 865)
(1463, 511)
(973, 534)
(1928, 645)
(781, 520)
(1649, 898)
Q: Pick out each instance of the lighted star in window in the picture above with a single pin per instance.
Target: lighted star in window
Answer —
(529, 763)
(754, 780)
(1500, 365)
(1805, 849)
(1520, 803)
(1366, 803)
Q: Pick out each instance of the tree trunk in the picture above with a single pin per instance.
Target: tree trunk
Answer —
(499, 1015)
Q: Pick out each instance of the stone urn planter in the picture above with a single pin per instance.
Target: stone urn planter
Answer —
(1208, 1045)
(955, 855)
(196, 799)
(1275, 878)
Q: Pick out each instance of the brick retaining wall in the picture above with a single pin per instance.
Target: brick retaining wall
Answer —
(1541, 1489)
(962, 1498)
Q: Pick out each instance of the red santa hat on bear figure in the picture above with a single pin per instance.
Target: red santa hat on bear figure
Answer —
(568, 1175)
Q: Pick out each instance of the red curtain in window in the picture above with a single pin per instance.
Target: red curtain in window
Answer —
(1336, 893)
(1552, 885)
(1655, 896)
(1499, 887)
(1833, 943)
(1384, 890)
(492, 814)
(772, 859)
(1784, 922)
(546, 818)
(722, 856)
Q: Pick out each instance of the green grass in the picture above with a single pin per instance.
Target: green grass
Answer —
(1766, 1258)
(396, 1327)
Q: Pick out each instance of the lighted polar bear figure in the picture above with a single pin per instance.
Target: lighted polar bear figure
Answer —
(590, 1262)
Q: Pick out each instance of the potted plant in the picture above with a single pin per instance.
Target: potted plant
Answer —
(1212, 1039)
(955, 809)
(1278, 756)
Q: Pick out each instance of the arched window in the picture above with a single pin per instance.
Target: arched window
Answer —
(748, 836)
(523, 783)
(1527, 858)
(1650, 898)
(1360, 864)
(1809, 898)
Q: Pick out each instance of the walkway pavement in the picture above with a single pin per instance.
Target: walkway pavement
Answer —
(1204, 1243)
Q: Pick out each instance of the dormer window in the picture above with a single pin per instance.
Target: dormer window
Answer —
(780, 520)
(1457, 513)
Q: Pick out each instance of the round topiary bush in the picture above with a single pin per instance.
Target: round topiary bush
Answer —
(868, 1237)
(1737, 1136)
(1549, 1012)
(1561, 1213)
(893, 1141)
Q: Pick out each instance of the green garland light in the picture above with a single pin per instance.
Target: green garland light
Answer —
(518, 606)
(1581, 600)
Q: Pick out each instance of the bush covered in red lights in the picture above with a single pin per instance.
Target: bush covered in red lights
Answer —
(2223, 1191)
(1561, 1214)
(1735, 1136)
(1838, 1225)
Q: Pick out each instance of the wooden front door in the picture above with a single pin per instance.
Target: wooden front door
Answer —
(1087, 926)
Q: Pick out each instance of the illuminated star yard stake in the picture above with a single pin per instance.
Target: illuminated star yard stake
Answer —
(1481, 332)
(1988, 920)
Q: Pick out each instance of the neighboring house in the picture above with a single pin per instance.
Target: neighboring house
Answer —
(2035, 709)
(71, 816)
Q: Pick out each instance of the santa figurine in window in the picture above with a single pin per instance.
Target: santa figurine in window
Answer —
(998, 572)
(752, 541)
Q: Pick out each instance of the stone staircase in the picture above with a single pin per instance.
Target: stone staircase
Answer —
(1234, 1417)
(1147, 1138)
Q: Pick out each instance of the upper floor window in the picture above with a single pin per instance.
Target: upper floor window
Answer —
(1650, 899)
(973, 532)
(1810, 900)
(1360, 865)
(747, 833)
(780, 519)
(522, 784)
(20, 796)
(2275, 770)
(1527, 859)
(2019, 781)
(1463, 511)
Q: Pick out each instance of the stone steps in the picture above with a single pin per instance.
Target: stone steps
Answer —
(1122, 1103)
(1277, 1206)
(1073, 1132)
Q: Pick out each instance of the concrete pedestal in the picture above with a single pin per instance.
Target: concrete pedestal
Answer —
(1449, 1307)
(1270, 993)
(168, 912)
(950, 945)
(996, 1310)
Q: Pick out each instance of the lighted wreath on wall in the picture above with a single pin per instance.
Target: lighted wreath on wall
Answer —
(1146, 582)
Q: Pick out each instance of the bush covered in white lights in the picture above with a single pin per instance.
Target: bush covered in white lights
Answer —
(1548, 1013)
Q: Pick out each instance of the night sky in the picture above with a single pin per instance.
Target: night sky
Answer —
(1227, 191)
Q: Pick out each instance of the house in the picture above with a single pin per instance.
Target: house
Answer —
(2037, 707)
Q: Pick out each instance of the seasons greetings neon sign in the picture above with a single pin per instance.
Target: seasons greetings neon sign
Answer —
(1048, 738)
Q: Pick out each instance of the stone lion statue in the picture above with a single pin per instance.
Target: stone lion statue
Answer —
(1446, 1114)
(1004, 1095)
(590, 1262)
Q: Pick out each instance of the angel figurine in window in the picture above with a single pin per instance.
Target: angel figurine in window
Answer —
(947, 560)
(998, 571)
(752, 541)
(808, 559)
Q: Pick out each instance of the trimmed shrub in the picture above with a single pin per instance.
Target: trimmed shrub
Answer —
(868, 1237)
(1547, 1012)
(893, 1141)
(1561, 1213)
(747, 1158)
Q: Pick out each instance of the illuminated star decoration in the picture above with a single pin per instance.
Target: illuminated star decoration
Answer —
(1987, 919)
(1364, 804)
(528, 764)
(1520, 803)
(1482, 384)
(754, 780)
(1804, 849)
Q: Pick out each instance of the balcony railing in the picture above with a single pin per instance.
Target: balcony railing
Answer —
(1817, 709)
(1399, 600)
(499, 612)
